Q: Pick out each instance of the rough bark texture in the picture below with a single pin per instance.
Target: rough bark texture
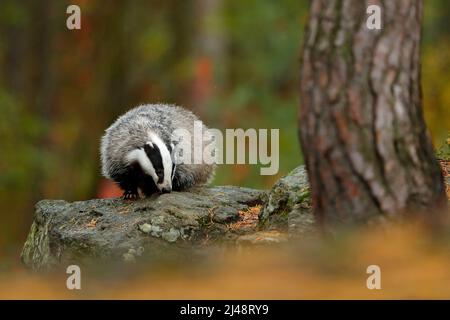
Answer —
(363, 135)
(176, 225)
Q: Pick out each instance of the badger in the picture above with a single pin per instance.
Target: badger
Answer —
(139, 151)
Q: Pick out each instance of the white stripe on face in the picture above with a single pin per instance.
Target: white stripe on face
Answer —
(166, 161)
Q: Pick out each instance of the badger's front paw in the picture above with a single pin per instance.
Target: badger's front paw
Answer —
(130, 195)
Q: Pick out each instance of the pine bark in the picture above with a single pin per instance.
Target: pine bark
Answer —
(363, 135)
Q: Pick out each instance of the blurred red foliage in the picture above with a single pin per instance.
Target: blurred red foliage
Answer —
(108, 189)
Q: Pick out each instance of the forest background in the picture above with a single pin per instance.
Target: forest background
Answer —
(234, 63)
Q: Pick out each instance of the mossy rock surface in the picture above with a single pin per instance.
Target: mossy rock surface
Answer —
(179, 224)
(288, 205)
(64, 232)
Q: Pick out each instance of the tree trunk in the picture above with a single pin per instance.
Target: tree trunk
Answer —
(363, 135)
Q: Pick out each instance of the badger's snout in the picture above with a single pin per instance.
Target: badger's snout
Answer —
(166, 190)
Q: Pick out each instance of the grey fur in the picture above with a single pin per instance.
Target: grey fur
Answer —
(130, 131)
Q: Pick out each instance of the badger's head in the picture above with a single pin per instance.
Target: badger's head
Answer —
(155, 160)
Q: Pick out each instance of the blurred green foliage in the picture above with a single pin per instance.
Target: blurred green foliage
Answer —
(235, 63)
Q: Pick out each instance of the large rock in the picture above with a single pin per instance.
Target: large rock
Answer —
(161, 225)
(179, 224)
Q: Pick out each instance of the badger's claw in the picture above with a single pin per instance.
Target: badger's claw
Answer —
(130, 195)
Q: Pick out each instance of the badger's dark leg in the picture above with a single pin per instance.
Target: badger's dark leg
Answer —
(130, 191)
(147, 185)
(128, 181)
(130, 194)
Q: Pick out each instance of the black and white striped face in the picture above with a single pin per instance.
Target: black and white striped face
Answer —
(156, 161)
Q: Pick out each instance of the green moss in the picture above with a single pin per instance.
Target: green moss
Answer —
(305, 194)
(443, 152)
